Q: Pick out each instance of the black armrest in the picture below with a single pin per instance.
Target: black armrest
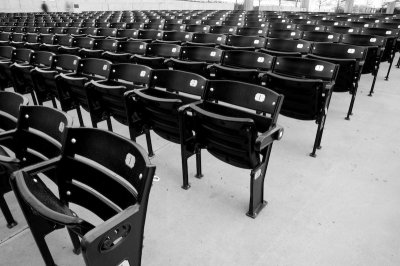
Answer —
(266, 139)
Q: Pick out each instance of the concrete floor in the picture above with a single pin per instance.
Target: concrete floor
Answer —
(341, 208)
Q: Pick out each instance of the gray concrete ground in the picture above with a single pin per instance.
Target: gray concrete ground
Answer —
(341, 208)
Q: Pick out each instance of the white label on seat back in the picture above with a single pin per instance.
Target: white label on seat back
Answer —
(351, 30)
(174, 50)
(317, 28)
(181, 27)
(187, 36)
(256, 41)
(319, 67)
(105, 67)
(219, 38)
(288, 26)
(193, 83)
(90, 42)
(292, 33)
(75, 62)
(114, 44)
(263, 25)
(130, 160)
(260, 97)
(351, 51)
(230, 29)
(260, 31)
(366, 25)
(213, 53)
(50, 57)
(330, 36)
(141, 46)
(260, 59)
(372, 40)
(124, 263)
(158, 34)
(336, 23)
(388, 32)
(142, 73)
(61, 127)
(300, 45)
(204, 28)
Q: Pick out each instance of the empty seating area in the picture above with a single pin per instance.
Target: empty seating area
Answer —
(212, 111)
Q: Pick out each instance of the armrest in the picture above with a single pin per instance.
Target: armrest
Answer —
(41, 166)
(98, 245)
(294, 79)
(266, 139)
(220, 117)
(7, 134)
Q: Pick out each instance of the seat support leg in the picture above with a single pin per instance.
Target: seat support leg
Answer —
(318, 138)
(109, 124)
(257, 177)
(79, 112)
(199, 174)
(6, 212)
(353, 98)
(53, 101)
(373, 84)
(148, 141)
(35, 102)
(390, 66)
(75, 242)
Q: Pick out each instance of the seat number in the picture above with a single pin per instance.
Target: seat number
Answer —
(219, 38)
(260, 59)
(130, 160)
(260, 97)
(351, 51)
(75, 62)
(61, 127)
(142, 73)
(141, 46)
(330, 37)
(256, 41)
(300, 45)
(319, 67)
(193, 83)
(105, 67)
(174, 50)
(372, 40)
(213, 53)
(388, 32)
(292, 33)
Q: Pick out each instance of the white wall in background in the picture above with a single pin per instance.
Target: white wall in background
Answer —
(104, 5)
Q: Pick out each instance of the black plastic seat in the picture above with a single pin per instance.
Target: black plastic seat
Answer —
(103, 33)
(156, 108)
(125, 34)
(174, 27)
(6, 53)
(156, 54)
(106, 97)
(238, 42)
(351, 60)
(343, 30)
(176, 37)
(307, 85)
(281, 26)
(318, 36)
(286, 47)
(44, 80)
(32, 41)
(135, 25)
(17, 40)
(99, 47)
(9, 109)
(5, 38)
(309, 27)
(125, 50)
(63, 40)
(240, 134)
(77, 44)
(22, 57)
(197, 28)
(118, 25)
(149, 35)
(38, 135)
(21, 73)
(195, 59)
(73, 84)
(375, 45)
(45, 30)
(223, 29)
(207, 39)
(118, 196)
(245, 66)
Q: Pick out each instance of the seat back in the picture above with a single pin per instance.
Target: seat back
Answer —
(110, 45)
(22, 55)
(46, 39)
(318, 36)
(339, 50)
(248, 59)
(88, 31)
(197, 28)
(130, 75)
(201, 54)
(223, 29)
(227, 123)
(31, 38)
(150, 34)
(135, 25)
(174, 27)
(6, 52)
(72, 30)
(10, 103)
(287, 45)
(127, 33)
(108, 32)
(305, 68)
(5, 36)
(118, 25)
(177, 36)
(251, 31)
(209, 38)
(63, 40)
(166, 50)
(342, 29)
(94, 68)
(40, 133)
(245, 41)
(83, 42)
